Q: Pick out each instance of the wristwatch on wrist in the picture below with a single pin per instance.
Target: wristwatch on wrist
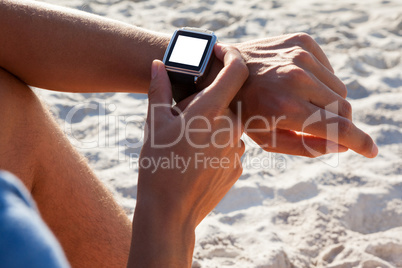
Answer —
(187, 59)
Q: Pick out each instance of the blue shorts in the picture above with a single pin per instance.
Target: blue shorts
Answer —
(25, 240)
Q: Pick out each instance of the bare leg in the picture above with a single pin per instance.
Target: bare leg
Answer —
(93, 230)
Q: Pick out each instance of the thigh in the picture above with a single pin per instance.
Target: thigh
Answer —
(92, 228)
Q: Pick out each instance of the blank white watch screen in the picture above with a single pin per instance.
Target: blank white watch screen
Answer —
(188, 50)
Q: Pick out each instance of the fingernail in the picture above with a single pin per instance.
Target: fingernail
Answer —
(154, 69)
(374, 150)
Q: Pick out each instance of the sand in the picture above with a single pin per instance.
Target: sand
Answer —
(337, 211)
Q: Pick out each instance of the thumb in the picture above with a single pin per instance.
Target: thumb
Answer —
(229, 80)
(159, 92)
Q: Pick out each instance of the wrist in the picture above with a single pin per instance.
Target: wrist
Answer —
(160, 238)
(148, 46)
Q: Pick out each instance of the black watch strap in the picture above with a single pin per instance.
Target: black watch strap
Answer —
(183, 85)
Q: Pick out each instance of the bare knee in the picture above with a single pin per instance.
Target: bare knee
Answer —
(20, 127)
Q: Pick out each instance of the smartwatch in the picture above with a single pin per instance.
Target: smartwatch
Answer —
(187, 59)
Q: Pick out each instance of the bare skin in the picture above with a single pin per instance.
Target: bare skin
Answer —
(92, 228)
(170, 204)
(61, 49)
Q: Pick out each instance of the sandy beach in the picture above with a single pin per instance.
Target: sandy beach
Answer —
(341, 210)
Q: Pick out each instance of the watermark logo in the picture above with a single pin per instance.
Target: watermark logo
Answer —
(332, 135)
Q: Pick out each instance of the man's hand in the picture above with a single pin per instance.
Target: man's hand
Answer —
(293, 87)
(200, 149)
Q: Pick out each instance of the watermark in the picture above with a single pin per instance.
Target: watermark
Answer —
(111, 130)
(200, 124)
(114, 130)
(196, 161)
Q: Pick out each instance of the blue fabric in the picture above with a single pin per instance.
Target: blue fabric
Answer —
(25, 240)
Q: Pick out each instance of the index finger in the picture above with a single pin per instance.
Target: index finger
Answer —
(327, 125)
(229, 80)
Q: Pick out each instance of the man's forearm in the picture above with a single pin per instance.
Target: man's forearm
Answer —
(67, 50)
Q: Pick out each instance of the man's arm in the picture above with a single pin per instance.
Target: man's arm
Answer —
(66, 50)
(290, 77)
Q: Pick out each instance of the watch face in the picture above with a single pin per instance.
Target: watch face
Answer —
(189, 52)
